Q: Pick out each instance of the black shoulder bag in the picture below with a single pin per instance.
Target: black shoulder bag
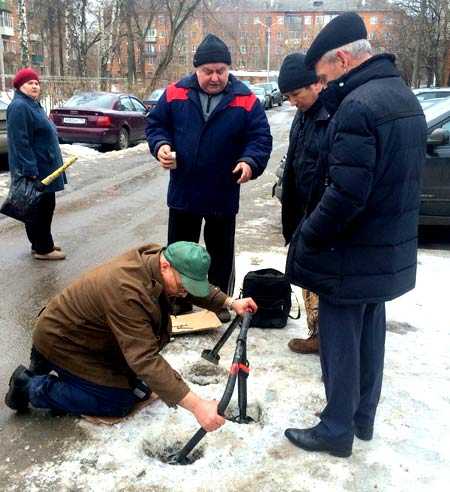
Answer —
(272, 292)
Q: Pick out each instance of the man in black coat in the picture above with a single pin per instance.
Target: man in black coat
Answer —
(358, 247)
(302, 88)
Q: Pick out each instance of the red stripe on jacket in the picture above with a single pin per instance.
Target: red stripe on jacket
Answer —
(174, 93)
(246, 102)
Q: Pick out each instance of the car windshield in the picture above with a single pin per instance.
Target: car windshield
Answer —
(259, 91)
(156, 94)
(437, 109)
(91, 100)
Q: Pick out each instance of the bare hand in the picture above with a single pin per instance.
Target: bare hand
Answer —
(246, 171)
(242, 306)
(205, 411)
(165, 156)
(207, 416)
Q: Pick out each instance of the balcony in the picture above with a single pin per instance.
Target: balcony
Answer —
(6, 23)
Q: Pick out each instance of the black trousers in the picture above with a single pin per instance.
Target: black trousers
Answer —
(38, 229)
(218, 234)
(352, 341)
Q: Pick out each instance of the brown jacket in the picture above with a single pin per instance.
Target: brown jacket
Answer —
(109, 325)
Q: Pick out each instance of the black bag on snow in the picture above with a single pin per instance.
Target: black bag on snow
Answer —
(272, 292)
(23, 197)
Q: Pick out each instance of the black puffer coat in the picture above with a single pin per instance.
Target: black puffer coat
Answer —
(359, 244)
(307, 131)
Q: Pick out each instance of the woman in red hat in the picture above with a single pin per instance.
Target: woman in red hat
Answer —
(34, 153)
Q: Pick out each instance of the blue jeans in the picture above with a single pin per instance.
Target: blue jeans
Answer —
(352, 356)
(70, 394)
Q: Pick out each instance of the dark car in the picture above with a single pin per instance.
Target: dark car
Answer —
(426, 93)
(262, 96)
(3, 136)
(151, 101)
(110, 119)
(435, 197)
(273, 91)
(435, 193)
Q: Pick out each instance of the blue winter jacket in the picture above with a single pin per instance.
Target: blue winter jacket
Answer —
(359, 242)
(33, 148)
(207, 152)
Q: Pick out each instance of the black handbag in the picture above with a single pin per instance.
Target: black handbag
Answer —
(23, 197)
(272, 292)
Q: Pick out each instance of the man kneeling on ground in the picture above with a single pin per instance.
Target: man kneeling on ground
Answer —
(102, 337)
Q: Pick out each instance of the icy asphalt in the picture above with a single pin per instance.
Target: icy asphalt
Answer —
(117, 200)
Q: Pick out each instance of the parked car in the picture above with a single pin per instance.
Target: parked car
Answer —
(435, 196)
(426, 103)
(273, 91)
(3, 133)
(110, 119)
(435, 193)
(262, 96)
(151, 101)
(425, 93)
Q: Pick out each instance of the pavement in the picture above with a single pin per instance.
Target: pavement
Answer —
(115, 201)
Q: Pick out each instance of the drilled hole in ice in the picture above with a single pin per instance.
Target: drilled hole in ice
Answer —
(254, 410)
(165, 453)
(204, 373)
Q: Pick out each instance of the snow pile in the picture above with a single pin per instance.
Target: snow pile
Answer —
(284, 390)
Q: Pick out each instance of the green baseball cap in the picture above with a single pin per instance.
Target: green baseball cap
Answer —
(192, 262)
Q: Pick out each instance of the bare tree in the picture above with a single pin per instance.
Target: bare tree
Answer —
(178, 12)
(23, 33)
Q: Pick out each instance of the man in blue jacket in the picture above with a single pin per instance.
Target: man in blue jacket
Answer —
(211, 132)
(357, 249)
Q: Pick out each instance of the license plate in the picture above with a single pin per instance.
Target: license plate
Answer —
(74, 121)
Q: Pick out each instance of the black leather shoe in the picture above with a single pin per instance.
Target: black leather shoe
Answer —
(364, 433)
(309, 440)
(17, 396)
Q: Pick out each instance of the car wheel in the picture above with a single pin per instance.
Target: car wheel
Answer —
(270, 103)
(280, 102)
(123, 140)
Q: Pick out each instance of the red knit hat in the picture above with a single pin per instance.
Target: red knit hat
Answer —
(24, 75)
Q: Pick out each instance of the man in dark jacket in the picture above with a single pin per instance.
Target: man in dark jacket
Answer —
(358, 247)
(102, 336)
(302, 88)
(211, 132)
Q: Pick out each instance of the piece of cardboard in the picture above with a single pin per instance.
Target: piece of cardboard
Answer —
(195, 322)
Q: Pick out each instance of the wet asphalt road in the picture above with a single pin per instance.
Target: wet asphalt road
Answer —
(114, 201)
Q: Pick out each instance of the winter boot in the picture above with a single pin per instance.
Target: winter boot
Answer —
(305, 346)
(17, 396)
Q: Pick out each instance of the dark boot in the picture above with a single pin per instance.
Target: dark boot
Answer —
(365, 433)
(305, 346)
(17, 396)
(310, 440)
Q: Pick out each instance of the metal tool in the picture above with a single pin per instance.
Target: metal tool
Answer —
(239, 369)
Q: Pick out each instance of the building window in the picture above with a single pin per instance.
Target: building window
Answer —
(5, 19)
(308, 20)
(194, 48)
(243, 49)
(374, 20)
(280, 20)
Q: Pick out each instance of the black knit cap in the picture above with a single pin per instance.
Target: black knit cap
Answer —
(294, 74)
(342, 30)
(212, 50)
